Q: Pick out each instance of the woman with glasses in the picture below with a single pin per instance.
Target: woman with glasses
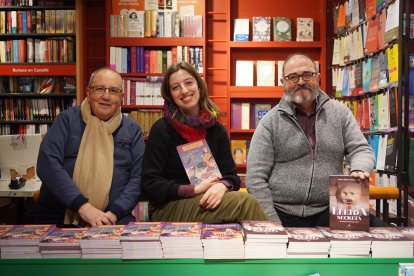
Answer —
(190, 115)
(90, 160)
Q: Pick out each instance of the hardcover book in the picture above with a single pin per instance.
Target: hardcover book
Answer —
(261, 28)
(239, 150)
(230, 231)
(244, 72)
(348, 203)
(265, 73)
(282, 29)
(241, 29)
(304, 29)
(259, 111)
(138, 231)
(198, 161)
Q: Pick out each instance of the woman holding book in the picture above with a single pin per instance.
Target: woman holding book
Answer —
(190, 115)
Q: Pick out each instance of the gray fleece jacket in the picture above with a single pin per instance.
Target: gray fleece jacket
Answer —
(284, 172)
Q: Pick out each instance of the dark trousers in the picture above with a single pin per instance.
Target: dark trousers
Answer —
(321, 219)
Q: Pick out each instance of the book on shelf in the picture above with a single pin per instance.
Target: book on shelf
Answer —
(244, 72)
(259, 111)
(392, 22)
(265, 72)
(348, 203)
(240, 116)
(282, 29)
(392, 55)
(304, 27)
(241, 29)
(371, 44)
(239, 151)
(261, 28)
(391, 152)
(198, 161)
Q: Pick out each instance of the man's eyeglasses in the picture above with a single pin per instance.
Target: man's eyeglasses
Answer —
(113, 91)
(306, 76)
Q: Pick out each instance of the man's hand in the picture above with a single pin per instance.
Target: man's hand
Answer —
(361, 175)
(205, 185)
(212, 198)
(93, 216)
(111, 216)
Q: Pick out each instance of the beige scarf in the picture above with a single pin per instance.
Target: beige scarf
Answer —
(95, 161)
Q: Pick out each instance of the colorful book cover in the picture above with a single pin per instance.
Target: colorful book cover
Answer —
(391, 152)
(345, 235)
(305, 234)
(198, 161)
(263, 229)
(348, 203)
(373, 113)
(142, 231)
(374, 143)
(4, 229)
(304, 29)
(236, 114)
(67, 236)
(282, 29)
(259, 111)
(373, 84)
(371, 44)
(392, 54)
(366, 74)
(239, 150)
(103, 232)
(261, 28)
(26, 233)
(182, 229)
(229, 231)
(383, 73)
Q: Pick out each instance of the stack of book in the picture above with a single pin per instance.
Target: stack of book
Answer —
(22, 241)
(102, 242)
(62, 243)
(265, 240)
(305, 242)
(141, 240)
(388, 242)
(222, 241)
(181, 240)
(348, 243)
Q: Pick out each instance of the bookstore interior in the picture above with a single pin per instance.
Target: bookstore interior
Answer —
(363, 51)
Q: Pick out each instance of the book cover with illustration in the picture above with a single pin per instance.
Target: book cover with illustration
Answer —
(198, 161)
(239, 150)
(348, 203)
(63, 237)
(181, 230)
(142, 231)
(25, 234)
(264, 230)
(229, 231)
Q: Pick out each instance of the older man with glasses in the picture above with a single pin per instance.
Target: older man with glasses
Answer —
(90, 160)
(299, 144)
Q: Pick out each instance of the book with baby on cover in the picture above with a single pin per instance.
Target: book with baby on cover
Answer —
(348, 203)
(198, 161)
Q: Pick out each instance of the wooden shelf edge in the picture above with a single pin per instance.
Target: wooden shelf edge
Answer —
(274, 44)
(129, 107)
(256, 91)
(156, 41)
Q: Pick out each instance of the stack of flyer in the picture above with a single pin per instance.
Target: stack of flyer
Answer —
(62, 243)
(102, 242)
(222, 241)
(307, 242)
(141, 240)
(347, 243)
(388, 242)
(181, 240)
(264, 240)
(22, 241)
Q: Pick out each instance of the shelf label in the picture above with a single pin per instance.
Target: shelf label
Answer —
(30, 70)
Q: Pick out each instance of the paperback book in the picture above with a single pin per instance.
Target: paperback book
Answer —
(198, 161)
(348, 203)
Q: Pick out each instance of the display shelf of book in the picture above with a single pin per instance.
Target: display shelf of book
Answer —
(34, 122)
(35, 35)
(37, 95)
(36, 7)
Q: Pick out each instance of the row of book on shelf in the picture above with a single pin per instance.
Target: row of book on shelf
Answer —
(142, 91)
(241, 114)
(19, 129)
(38, 50)
(155, 23)
(369, 75)
(172, 240)
(262, 27)
(368, 37)
(24, 109)
(40, 85)
(31, 3)
(376, 112)
(137, 59)
(145, 118)
(265, 72)
(37, 21)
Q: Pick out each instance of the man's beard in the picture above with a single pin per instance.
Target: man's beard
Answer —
(299, 99)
